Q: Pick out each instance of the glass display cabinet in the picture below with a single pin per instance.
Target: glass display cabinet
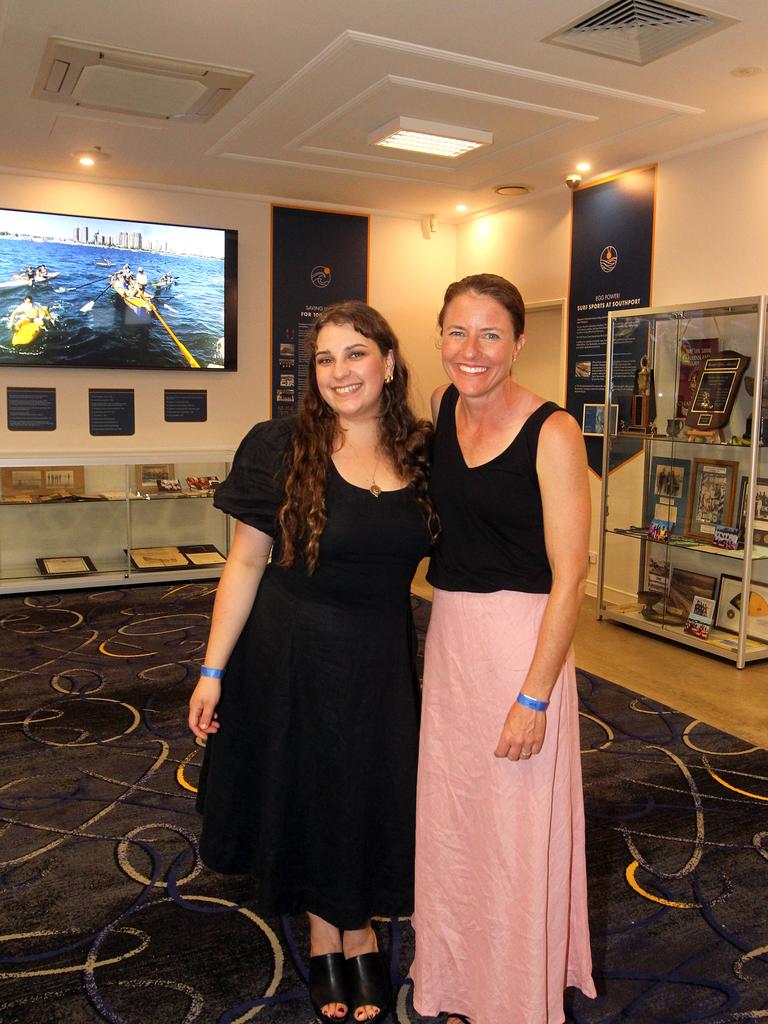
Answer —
(102, 520)
(684, 511)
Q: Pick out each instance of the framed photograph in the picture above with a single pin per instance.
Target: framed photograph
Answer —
(684, 586)
(147, 476)
(761, 510)
(39, 480)
(729, 609)
(202, 554)
(713, 487)
(670, 482)
(157, 559)
(66, 565)
(593, 419)
(657, 576)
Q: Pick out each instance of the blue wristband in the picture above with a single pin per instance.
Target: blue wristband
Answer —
(212, 673)
(532, 703)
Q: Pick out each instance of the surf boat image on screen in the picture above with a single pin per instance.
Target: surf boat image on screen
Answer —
(101, 293)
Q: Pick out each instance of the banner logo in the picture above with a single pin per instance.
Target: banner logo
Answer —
(320, 276)
(608, 259)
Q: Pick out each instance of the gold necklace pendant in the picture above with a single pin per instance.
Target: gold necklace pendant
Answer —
(375, 490)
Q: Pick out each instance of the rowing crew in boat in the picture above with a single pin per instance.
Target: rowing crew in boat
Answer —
(33, 275)
(127, 285)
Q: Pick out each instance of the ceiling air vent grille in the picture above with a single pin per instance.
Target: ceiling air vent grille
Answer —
(83, 74)
(638, 31)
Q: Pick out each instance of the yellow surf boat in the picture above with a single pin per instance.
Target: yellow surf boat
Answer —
(135, 302)
(28, 330)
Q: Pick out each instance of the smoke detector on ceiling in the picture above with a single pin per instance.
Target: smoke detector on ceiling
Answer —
(638, 31)
(125, 81)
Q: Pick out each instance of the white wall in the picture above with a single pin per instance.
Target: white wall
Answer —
(407, 277)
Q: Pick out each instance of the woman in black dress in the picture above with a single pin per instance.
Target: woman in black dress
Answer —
(308, 780)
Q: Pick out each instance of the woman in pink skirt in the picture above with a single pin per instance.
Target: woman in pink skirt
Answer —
(501, 899)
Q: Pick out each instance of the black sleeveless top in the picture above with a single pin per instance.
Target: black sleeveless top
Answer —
(491, 516)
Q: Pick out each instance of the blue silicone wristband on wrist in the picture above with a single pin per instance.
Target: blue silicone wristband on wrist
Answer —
(212, 673)
(532, 703)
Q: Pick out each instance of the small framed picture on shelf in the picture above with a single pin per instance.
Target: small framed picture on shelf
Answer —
(659, 529)
(657, 576)
(593, 419)
(700, 617)
(157, 559)
(148, 476)
(670, 483)
(37, 481)
(729, 608)
(726, 537)
(685, 585)
(712, 494)
(165, 484)
(201, 555)
(66, 565)
(760, 535)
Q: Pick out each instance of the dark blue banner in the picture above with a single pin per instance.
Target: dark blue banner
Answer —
(611, 263)
(318, 258)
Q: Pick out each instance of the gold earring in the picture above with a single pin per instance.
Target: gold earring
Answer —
(388, 379)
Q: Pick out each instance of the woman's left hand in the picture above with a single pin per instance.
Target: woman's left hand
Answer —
(523, 733)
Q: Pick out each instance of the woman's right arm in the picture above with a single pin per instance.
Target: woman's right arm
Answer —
(235, 595)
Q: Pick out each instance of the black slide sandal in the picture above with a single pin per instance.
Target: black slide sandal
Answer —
(368, 985)
(327, 984)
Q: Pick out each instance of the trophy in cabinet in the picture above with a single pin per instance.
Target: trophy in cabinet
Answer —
(643, 408)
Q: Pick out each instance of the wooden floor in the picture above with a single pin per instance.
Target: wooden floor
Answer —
(699, 685)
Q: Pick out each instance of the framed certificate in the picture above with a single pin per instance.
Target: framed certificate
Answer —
(66, 565)
(202, 554)
(157, 559)
(716, 391)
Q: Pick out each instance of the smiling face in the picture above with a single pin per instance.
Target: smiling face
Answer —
(479, 344)
(350, 370)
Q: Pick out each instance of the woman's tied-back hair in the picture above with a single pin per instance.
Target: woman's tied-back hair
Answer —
(403, 438)
(494, 286)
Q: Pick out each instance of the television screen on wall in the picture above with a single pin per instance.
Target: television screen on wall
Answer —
(99, 293)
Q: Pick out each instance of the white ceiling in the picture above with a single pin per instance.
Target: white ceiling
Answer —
(325, 75)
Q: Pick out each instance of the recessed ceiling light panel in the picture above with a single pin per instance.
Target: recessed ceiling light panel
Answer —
(416, 136)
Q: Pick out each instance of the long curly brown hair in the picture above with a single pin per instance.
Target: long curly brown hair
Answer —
(406, 440)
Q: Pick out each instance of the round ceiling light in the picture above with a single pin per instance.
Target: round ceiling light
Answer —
(91, 157)
(513, 190)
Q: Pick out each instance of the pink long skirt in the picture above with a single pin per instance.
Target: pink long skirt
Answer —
(501, 895)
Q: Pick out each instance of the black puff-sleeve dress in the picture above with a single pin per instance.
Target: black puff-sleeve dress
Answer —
(309, 785)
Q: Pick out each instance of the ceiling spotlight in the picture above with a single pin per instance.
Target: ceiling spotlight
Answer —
(583, 168)
(461, 208)
(512, 190)
(91, 157)
(417, 136)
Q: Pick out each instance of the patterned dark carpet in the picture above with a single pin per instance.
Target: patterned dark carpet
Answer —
(107, 913)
